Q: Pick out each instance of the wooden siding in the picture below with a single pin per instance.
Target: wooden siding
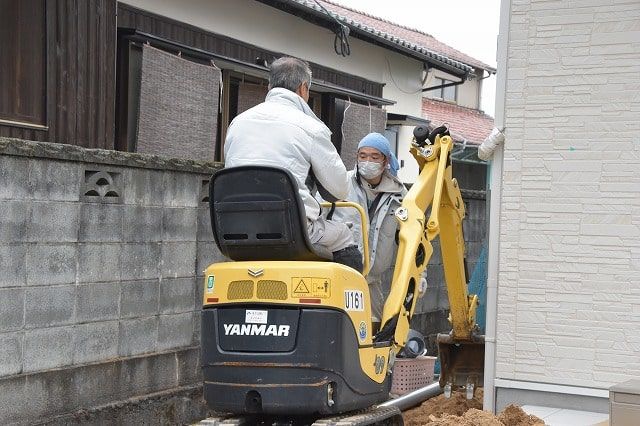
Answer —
(22, 62)
(79, 64)
(179, 32)
(80, 74)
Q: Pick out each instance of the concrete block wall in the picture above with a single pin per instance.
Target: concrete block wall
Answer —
(101, 256)
(569, 260)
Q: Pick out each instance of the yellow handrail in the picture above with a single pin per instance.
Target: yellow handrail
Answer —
(365, 229)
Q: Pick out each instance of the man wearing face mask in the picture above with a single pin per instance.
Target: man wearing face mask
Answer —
(374, 185)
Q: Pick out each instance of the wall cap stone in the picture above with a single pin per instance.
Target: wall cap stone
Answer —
(60, 151)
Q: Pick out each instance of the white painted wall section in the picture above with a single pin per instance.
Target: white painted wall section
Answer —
(569, 258)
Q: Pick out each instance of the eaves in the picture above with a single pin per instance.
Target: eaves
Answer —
(311, 12)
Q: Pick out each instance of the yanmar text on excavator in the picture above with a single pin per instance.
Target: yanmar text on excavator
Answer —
(287, 336)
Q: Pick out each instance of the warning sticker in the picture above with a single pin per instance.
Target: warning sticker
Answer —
(300, 286)
(310, 287)
(321, 287)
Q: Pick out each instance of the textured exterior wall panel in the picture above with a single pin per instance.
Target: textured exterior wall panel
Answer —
(569, 275)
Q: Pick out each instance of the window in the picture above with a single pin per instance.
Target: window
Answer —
(23, 63)
(444, 93)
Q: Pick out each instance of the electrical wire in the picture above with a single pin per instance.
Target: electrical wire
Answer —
(396, 84)
(344, 115)
(342, 47)
(341, 40)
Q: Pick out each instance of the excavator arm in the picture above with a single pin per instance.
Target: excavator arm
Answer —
(462, 350)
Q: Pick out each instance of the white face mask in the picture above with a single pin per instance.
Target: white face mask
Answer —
(369, 169)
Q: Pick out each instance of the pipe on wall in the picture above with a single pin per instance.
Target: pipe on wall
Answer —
(495, 198)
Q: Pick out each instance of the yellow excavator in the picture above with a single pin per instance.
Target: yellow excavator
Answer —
(287, 335)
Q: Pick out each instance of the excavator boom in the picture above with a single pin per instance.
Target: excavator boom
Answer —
(461, 351)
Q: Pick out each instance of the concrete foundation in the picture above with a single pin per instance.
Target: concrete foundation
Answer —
(177, 406)
(506, 396)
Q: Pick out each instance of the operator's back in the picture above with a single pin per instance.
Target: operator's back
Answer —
(277, 131)
(283, 132)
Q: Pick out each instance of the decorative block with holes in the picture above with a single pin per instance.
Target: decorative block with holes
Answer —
(101, 186)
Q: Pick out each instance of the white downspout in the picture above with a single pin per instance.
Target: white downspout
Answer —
(495, 191)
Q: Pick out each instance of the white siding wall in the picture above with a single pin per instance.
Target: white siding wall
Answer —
(569, 266)
(269, 28)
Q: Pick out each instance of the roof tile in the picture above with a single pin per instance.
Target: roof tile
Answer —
(464, 123)
(404, 34)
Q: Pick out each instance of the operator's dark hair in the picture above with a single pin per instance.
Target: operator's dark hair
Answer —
(289, 73)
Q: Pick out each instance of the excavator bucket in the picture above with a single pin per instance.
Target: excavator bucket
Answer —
(461, 362)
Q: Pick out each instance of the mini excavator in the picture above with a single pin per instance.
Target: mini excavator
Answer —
(287, 335)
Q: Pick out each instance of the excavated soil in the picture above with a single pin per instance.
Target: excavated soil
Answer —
(436, 407)
(458, 411)
(513, 415)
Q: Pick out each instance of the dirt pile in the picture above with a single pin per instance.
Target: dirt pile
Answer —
(472, 417)
(457, 405)
(458, 411)
(513, 415)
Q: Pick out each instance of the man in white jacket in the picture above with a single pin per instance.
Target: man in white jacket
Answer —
(284, 132)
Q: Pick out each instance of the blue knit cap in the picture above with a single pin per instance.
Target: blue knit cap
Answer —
(379, 142)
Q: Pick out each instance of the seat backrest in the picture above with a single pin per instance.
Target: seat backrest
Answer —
(257, 214)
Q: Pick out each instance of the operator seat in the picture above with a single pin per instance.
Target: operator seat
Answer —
(257, 214)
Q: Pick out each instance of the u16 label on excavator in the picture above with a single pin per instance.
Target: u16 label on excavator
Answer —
(353, 300)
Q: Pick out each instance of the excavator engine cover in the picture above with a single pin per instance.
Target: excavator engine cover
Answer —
(461, 362)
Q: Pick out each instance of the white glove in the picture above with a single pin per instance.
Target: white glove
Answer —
(423, 286)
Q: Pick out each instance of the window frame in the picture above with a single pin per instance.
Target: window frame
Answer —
(439, 93)
(38, 120)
